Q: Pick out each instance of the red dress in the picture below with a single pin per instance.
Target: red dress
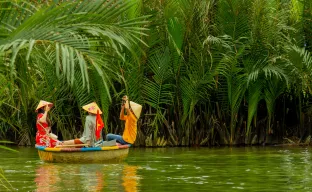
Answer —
(42, 139)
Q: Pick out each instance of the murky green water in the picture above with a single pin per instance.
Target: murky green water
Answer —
(168, 169)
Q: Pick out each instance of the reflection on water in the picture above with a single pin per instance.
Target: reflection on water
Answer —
(47, 177)
(130, 179)
(55, 177)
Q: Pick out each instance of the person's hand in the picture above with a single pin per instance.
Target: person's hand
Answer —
(47, 131)
(125, 98)
(47, 108)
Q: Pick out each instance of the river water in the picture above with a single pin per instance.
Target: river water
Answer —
(166, 169)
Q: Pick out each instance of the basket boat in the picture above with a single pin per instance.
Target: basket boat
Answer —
(83, 155)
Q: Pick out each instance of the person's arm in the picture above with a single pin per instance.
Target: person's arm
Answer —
(43, 119)
(128, 111)
(122, 113)
(127, 106)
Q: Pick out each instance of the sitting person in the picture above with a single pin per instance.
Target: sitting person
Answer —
(43, 125)
(88, 135)
(133, 111)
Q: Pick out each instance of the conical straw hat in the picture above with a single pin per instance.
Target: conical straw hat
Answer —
(92, 108)
(43, 103)
(136, 108)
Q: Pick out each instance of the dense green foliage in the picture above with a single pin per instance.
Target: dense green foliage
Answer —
(207, 72)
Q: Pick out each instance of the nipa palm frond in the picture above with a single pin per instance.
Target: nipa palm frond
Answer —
(158, 90)
(76, 30)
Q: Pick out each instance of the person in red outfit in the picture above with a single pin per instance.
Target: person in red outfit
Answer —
(43, 125)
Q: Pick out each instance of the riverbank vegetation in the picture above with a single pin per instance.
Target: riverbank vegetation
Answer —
(207, 72)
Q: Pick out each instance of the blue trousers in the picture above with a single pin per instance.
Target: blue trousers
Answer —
(118, 138)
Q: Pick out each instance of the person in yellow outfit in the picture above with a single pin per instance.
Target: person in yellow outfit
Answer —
(133, 111)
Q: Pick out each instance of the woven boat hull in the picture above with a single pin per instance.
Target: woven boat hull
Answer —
(87, 156)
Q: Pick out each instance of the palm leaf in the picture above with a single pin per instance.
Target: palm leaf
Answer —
(157, 90)
(49, 26)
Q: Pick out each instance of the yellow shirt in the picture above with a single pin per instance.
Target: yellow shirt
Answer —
(130, 132)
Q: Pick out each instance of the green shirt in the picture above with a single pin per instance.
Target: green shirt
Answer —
(89, 129)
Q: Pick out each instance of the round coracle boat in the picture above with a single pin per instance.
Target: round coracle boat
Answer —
(83, 155)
